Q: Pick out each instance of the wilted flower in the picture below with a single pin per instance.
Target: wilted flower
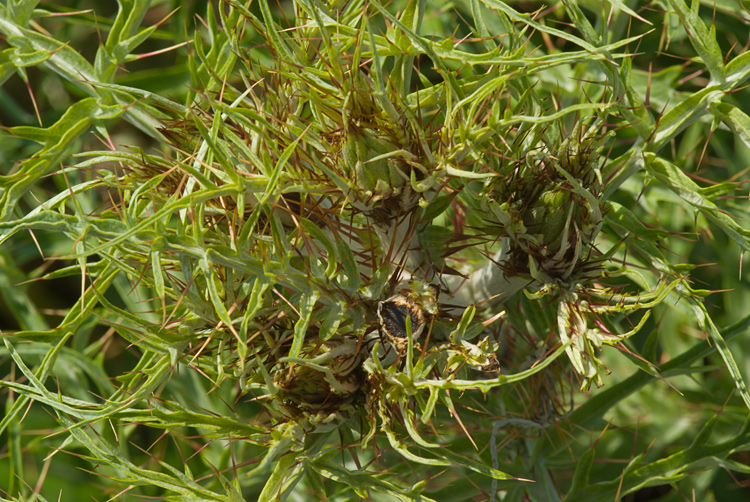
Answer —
(327, 384)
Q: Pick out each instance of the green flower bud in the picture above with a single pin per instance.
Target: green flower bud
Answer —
(579, 155)
(366, 159)
(548, 216)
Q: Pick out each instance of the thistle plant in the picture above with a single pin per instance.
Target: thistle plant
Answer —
(355, 250)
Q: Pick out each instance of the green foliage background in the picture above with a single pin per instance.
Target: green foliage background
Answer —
(143, 250)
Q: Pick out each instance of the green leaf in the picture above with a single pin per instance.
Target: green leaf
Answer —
(331, 253)
(360, 481)
(720, 343)
(734, 118)
(676, 180)
(273, 486)
(682, 115)
(703, 39)
(582, 475)
(737, 70)
(306, 305)
(350, 280)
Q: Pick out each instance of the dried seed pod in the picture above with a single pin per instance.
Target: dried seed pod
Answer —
(393, 314)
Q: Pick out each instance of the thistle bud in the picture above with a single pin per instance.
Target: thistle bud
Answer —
(579, 155)
(365, 158)
(547, 217)
(566, 216)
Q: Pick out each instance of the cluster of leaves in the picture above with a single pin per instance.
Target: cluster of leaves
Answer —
(531, 192)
